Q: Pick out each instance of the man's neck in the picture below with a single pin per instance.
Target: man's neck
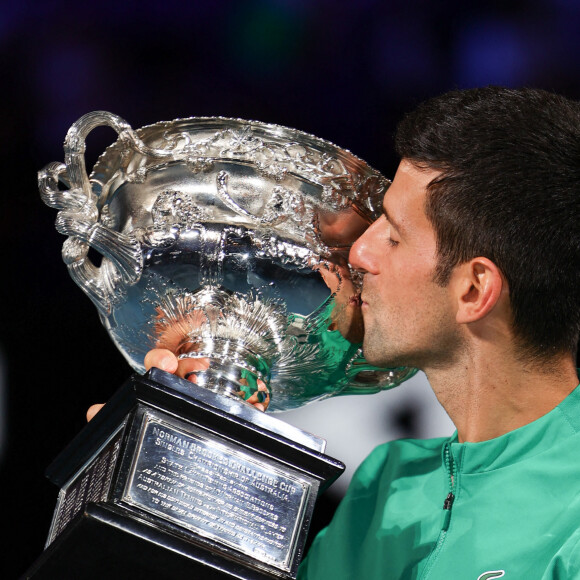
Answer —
(488, 396)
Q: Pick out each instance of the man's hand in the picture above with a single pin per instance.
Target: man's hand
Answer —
(160, 358)
(186, 368)
(93, 410)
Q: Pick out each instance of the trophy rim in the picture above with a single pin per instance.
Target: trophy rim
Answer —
(108, 161)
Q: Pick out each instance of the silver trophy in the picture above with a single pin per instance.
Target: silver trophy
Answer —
(225, 241)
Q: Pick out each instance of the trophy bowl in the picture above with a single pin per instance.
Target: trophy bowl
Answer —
(226, 242)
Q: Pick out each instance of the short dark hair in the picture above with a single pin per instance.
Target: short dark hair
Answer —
(508, 190)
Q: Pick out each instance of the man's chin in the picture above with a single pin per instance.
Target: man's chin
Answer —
(381, 361)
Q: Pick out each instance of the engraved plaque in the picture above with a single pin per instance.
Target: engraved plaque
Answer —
(92, 484)
(218, 491)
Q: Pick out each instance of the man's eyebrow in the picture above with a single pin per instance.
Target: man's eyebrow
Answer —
(390, 219)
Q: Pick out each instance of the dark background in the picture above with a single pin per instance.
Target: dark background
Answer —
(344, 70)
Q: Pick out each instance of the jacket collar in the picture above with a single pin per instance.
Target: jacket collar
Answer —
(537, 437)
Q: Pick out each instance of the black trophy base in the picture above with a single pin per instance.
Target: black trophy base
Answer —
(103, 544)
(170, 480)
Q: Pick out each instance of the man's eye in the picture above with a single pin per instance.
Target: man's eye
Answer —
(390, 240)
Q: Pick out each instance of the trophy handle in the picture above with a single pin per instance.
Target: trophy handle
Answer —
(78, 217)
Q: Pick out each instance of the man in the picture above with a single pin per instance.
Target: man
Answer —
(472, 275)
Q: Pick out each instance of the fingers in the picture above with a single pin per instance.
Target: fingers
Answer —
(93, 410)
(162, 359)
(261, 398)
(187, 368)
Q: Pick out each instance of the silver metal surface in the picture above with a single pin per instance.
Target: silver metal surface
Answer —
(218, 491)
(91, 484)
(225, 241)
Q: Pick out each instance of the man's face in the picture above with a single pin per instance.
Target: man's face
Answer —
(409, 320)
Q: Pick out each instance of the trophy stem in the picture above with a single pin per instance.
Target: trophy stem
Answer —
(226, 342)
(229, 370)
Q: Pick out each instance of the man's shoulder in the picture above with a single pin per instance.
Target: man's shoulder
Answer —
(399, 457)
(408, 448)
(375, 526)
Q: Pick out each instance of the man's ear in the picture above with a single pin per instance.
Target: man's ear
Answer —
(478, 286)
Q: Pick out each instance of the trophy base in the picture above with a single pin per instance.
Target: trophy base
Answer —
(170, 480)
(104, 543)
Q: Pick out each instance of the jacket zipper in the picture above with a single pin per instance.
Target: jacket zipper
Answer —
(447, 505)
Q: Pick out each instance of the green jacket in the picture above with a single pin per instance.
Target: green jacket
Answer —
(439, 509)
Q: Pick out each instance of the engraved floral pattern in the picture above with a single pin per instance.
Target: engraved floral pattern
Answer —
(176, 208)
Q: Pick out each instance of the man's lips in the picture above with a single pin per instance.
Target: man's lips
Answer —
(354, 300)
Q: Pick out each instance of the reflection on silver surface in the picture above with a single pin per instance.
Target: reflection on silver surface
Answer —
(218, 491)
(225, 241)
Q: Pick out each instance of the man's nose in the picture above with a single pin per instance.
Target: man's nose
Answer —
(360, 252)
(354, 254)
